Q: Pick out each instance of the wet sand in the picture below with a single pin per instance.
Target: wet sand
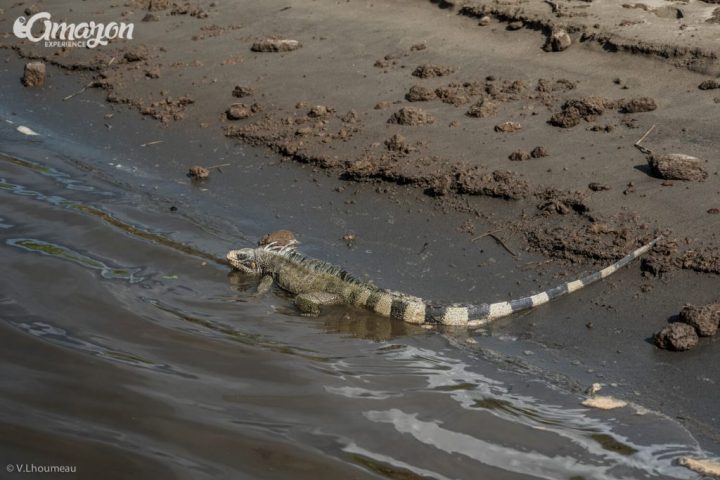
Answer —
(433, 191)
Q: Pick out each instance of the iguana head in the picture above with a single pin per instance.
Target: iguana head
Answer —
(246, 260)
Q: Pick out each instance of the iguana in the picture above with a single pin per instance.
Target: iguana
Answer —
(316, 283)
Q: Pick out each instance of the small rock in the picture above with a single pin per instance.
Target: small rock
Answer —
(538, 152)
(238, 111)
(397, 143)
(484, 21)
(153, 73)
(34, 74)
(703, 466)
(677, 337)
(705, 319)
(241, 91)
(519, 155)
(198, 173)
(508, 127)
(637, 105)
(350, 117)
(678, 166)
(281, 238)
(515, 25)
(559, 40)
(713, 211)
(382, 105)
(275, 45)
(417, 47)
(349, 237)
(604, 402)
(150, 17)
(411, 116)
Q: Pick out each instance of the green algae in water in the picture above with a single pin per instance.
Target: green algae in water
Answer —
(64, 253)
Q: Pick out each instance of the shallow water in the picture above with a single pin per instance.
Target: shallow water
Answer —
(128, 348)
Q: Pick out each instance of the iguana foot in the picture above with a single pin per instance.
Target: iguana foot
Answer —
(309, 303)
(265, 285)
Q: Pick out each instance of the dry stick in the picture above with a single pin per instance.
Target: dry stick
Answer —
(79, 91)
(646, 151)
(218, 166)
(151, 143)
(497, 239)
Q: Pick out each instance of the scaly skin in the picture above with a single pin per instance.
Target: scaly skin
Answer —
(316, 283)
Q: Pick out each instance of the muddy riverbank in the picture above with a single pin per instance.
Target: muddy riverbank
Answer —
(415, 182)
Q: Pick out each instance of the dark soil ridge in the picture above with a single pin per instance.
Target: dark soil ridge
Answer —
(701, 60)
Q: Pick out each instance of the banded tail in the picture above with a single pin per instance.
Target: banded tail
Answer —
(477, 315)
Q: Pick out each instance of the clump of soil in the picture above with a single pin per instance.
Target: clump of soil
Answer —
(397, 143)
(430, 71)
(575, 110)
(150, 17)
(483, 108)
(239, 111)
(598, 187)
(34, 74)
(453, 94)
(411, 116)
(508, 127)
(273, 44)
(704, 319)
(198, 173)
(539, 152)
(678, 166)
(281, 238)
(418, 93)
(320, 111)
(137, 54)
(241, 91)
(519, 156)
(677, 337)
(637, 105)
(555, 201)
(709, 85)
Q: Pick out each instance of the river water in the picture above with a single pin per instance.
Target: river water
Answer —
(127, 350)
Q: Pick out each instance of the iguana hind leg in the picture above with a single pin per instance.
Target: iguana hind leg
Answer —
(309, 303)
(265, 285)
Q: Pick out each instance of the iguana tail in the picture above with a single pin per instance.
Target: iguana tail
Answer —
(478, 315)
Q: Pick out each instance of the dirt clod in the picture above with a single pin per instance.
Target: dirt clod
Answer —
(273, 44)
(430, 71)
(411, 116)
(539, 152)
(508, 127)
(34, 74)
(598, 187)
(519, 156)
(241, 91)
(638, 105)
(137, 54)
(238, 111)
(678, 166)
(198, 173)
(397, 143)
(280, 238)
(709, 85)
(677, 337)
(704, 319)
(482, 109)
(418, 93)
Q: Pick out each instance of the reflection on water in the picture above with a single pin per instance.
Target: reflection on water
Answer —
(189, 374)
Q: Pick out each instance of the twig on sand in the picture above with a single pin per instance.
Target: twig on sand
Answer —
(151, 143)
(497, 239)
(79, 91)
(218, 166)
(646, 151)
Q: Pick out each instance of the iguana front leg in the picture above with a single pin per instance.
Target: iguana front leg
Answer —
(266, 283)
(309, 303)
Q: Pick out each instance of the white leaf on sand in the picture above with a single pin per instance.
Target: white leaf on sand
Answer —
(26, 131)
(701, 465)
(604, 403)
